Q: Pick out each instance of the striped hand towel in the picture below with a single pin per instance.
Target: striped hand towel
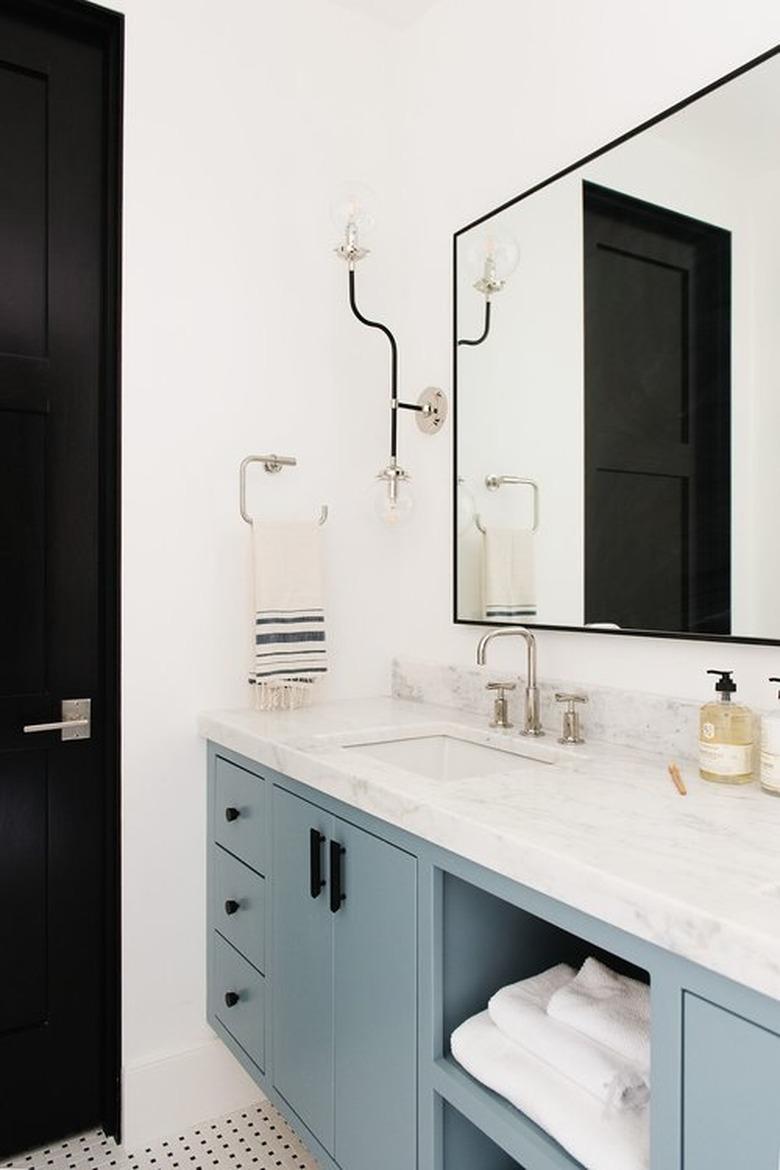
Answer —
(509, 589)
(289, 628)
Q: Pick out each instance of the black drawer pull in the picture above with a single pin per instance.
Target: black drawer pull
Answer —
(231, 906)
(316, 880)
(231, 998)
(232, 814)
(337, 895)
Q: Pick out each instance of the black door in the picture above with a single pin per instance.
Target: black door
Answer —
(657, 417)
(59, 69)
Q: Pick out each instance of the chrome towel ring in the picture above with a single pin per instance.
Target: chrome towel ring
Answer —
(273, 464)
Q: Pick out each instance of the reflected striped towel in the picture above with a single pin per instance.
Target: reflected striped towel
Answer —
(509, 590)
(289, 630)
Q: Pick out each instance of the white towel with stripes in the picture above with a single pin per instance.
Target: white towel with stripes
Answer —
(289, 625)
(508, 583)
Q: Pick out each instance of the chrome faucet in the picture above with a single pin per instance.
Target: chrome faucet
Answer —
(532, 722)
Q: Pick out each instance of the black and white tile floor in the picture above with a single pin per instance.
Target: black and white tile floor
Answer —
(257, 1138)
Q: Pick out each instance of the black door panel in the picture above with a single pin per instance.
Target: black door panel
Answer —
(58, 357)
(657, 417)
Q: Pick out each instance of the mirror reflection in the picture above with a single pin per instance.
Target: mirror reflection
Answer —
(617, 378)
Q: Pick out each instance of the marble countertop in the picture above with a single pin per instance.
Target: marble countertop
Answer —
(604, 830)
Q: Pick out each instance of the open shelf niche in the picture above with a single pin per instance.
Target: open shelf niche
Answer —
(486, 943)
(468, 1148)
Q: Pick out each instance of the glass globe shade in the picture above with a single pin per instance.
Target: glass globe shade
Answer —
(393, 500)
(354, 203)
(497, 248)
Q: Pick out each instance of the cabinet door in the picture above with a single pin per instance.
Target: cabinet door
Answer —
(375, 938)
(302, 967)
(731, 1078)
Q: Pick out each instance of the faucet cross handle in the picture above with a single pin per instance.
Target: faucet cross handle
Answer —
(501, 704)
(572, 730)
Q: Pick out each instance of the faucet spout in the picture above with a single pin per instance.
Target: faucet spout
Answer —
(532, 722)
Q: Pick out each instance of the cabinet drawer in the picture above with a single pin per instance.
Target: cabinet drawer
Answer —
(239, 906)
(730, 1079)
(239, 813)
(244, 1017)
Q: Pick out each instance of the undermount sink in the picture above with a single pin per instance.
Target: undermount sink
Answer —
(446, 757)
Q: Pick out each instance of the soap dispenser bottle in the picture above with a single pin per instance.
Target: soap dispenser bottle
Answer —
(725, 736)
(770, 750)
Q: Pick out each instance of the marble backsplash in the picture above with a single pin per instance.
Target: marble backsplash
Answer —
(633, 719)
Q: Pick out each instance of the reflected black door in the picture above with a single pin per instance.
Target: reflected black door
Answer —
(657, 417)
(57, 399)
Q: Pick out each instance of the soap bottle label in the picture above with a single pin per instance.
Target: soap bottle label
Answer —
(726, 759)
(770, 770)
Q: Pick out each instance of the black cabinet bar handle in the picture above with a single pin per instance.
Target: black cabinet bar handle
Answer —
(316, 880)
(231, 998)
(232, 814)
(231, 906)
(337, 895)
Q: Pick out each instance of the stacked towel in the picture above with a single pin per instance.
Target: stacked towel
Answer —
(508, 588)
(289, 637)
(520, 1012)
(612, 1140)
(611, 1009)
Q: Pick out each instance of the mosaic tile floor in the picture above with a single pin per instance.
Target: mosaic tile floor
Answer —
(257, 1138)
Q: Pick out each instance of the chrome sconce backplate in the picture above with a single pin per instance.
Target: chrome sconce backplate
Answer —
(433, 410)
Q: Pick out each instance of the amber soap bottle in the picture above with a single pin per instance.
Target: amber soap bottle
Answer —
(725, 735)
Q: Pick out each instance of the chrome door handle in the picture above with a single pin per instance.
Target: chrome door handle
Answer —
(76, 722)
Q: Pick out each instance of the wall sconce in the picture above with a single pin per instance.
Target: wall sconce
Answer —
(492, 258)
(393, 503)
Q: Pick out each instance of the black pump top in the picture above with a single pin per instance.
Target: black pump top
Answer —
(777, 680)
(726, 686)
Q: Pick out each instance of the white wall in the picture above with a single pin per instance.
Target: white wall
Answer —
(241, 119)
(518, 91)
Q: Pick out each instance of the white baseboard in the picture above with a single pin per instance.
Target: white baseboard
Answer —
(177, 1091)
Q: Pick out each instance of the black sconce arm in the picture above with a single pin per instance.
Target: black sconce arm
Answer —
(485, 331)
(395, 405)
(393, 362)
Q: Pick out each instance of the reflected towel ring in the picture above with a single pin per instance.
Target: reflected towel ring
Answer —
(494, 482)
(272, 464)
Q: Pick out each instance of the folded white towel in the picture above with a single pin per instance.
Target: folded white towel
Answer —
(520, 1012)
(508, 588)
(539, 989)
(573, 1117)
(289, 626)
(613, 1009)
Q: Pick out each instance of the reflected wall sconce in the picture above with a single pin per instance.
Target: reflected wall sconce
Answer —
(492, 257)
(393, 503)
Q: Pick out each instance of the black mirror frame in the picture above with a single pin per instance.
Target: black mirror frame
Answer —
(635, 633)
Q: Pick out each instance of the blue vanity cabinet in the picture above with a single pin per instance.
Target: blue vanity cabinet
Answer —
(343, 952)
(239, 812)
(375, 1000)
(239, 1002)
(731, 1080)
(344, 973)
(237, 909)
(302, 964)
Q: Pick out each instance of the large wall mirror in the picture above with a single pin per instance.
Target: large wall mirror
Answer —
(617, 348)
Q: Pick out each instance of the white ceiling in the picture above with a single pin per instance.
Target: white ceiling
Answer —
(396, 12)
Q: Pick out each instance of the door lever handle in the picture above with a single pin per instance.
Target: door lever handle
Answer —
(29, 728)
(76, 722)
